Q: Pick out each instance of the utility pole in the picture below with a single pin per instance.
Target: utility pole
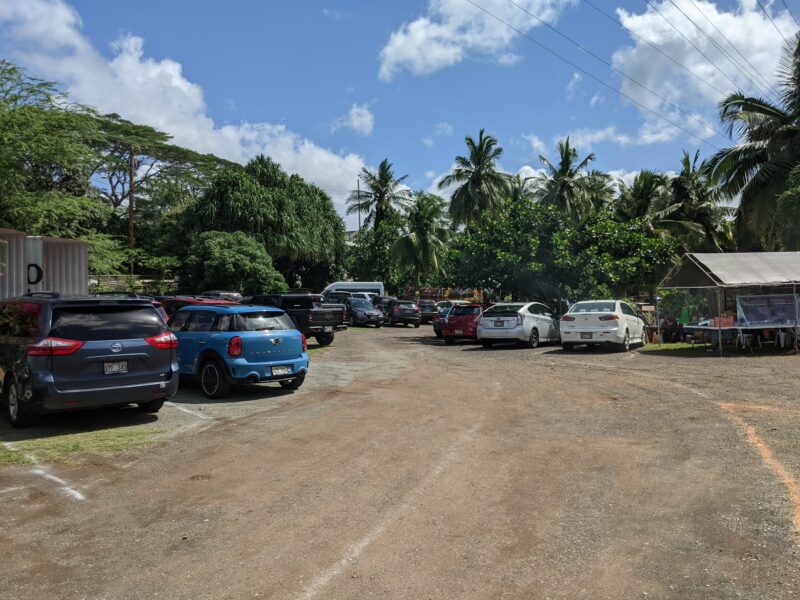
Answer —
(131, 212)
(358, 193)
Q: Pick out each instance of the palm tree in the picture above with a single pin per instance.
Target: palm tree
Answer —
(423, 242)
(757, 167)
(482, 185)
(383, 194)
(569, 186)
(647, 195)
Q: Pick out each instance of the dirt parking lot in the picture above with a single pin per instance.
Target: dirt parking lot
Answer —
(407, 469)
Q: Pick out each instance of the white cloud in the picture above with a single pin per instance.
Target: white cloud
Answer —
(626, 177)
(452, 30)
(596, 99)
(572, 86)
(359, 118)
(536, 143)
(45, 36)
(443, 128)
(430, 174)
(428, 141)
(586, 139)
(745, 26)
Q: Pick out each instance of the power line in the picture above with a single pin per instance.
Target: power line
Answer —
(656, 48)
(790, 12)
(692, 44)
(725, 53)
(753, 68)
(766, 14)
(595, 78)
(622, 73)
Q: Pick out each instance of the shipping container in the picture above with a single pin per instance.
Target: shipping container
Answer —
(42, 264)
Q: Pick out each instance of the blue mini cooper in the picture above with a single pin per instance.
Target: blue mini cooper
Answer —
(227, 345)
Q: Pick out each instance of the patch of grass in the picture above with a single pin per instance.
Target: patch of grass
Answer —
(60, 447)
(673, 347)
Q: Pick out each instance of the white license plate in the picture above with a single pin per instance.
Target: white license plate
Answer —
(281, 371)
(113, 368)
(586, 336)
(459, 332)
(498, 323)
(328, 329)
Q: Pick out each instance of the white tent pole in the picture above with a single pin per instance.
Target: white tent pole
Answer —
(719, 320)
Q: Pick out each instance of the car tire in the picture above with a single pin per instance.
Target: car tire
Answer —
(449, 341)
(323, 339)
(416, 325)
(13, 407)
(378, 325)
(533, 340)
(625, 346)
(438, 334)
(151, 407)
(293, 384)
(212, 380)
(486, 343)
(568, 347)
(352, 322)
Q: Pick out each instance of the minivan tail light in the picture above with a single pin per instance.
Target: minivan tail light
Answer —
(609, 318)
(567, 318)
(235, 346)
(305, 341)
(54, 347)
(164, 341)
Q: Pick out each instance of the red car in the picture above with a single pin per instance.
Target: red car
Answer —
(461, 323)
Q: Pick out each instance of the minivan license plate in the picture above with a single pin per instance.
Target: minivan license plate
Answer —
(281, 371)
(113, 368)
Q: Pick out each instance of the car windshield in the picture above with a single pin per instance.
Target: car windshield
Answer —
(503, 310)
(591, 307)
(263, 321)
(460, 311)
(100, 323)
(360, 303)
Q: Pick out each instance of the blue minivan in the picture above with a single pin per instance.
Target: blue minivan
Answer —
(226, 345)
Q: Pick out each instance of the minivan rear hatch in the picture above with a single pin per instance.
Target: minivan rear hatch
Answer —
(120, 346)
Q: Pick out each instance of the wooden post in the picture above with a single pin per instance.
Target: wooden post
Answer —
(131, 212)
(719, 320)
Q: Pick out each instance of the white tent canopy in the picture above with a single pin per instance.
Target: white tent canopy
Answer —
(736, 269)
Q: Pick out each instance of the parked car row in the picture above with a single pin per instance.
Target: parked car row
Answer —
(593, 322)
(71, 353)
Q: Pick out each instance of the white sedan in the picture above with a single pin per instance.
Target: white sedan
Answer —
(530, 322)
(596, 322)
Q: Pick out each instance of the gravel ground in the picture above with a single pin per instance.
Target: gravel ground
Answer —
(407, 469)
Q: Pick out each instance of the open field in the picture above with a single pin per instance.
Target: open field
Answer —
(407, 469)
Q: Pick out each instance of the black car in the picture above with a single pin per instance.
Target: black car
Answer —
(380, 302)
(363, 312)
(403, 311)
(320, 321)
(59, 354)
(428, 310)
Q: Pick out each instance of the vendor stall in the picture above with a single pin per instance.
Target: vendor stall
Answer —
(764, 286)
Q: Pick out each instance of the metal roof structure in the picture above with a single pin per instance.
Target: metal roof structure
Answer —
(735, 269)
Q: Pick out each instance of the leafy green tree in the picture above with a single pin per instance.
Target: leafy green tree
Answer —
(757, 168)
(56, 215)
(481, 186)
(570, 186)
(295, 221)
(230, 261)
(422, 243)
(645, 198)
(383, 194)
(371, 256)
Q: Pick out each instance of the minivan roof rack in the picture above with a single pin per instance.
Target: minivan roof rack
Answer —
(43, 295)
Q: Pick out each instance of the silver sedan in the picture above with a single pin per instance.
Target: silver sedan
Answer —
(530, 322)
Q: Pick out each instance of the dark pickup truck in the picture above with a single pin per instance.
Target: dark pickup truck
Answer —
(310, 317)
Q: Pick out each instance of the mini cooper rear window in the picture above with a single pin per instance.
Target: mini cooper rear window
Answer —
(263, 321)
(100, 323)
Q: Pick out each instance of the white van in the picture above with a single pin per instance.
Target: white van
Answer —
(375, 287)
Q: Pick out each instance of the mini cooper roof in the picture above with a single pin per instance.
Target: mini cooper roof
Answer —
(231, 308)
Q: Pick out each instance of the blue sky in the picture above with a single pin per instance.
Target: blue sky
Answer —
(328, 87)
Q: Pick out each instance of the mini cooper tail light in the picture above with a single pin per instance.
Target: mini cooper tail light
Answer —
(164, 341)
(567, 318)
(235, 346)
(54, 347)
(305, 341)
